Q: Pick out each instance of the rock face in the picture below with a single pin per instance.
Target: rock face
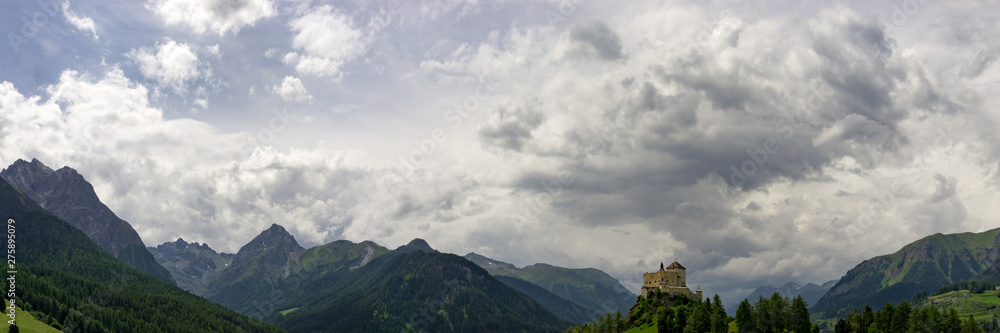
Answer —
(66, 194)
(256, 269)
(193, 265)
(273, 249)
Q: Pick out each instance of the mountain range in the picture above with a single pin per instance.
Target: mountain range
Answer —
(269, 273)
(69, 282)
(593, 290)
(364, 287)
(415, 289)
(273, 277)
(922, 266)
(272, 273)
(810, 292)
(66, 194)
(192, 265)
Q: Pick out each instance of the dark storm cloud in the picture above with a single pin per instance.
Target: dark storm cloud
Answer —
(945, 188)
(600, 37)
(942, 211)
(744, 121)
(511, 126)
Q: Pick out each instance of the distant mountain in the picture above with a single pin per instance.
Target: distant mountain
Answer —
(416, 244)
(413, 289)
(924, 265)
(256, 269)
(192, 265)
(810, 292)
(363, 287)
(69, 196)
(336, 256)
(591, 288)
(564, 309)
(69, 282)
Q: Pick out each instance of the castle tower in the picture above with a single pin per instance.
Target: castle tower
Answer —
(676, 275)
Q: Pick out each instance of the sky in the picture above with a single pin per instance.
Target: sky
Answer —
(758, 142)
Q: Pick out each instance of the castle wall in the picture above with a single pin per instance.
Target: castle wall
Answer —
(670, 291)
(668, 277)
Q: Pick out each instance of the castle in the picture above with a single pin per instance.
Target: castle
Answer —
(669, 281)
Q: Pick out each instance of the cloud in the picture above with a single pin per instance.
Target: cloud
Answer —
(327, 40)
(291, 89)
(942, 211)
(203, 103)
(169, 64)
(92, 123)
(218, 16)
(510, 128)
(598, 37)
(81, 23)
(729, 148)
(457, 9)
(945, 188)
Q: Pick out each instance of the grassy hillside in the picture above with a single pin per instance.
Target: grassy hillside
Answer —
(982, 306)
(26, 322)
(924, 265)
(65, 278)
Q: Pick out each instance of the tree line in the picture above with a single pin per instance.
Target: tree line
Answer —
(774, 314)
(903, 318)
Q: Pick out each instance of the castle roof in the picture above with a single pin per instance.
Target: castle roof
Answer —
(676, 264)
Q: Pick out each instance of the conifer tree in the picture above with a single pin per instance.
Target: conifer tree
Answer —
(744, 317)
(800, 315)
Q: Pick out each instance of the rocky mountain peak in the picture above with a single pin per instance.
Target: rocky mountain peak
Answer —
(277, 235)
(193, 265)
(66, 194)
(791, 286)
(24, 172)
(416, 244)
(275, 241)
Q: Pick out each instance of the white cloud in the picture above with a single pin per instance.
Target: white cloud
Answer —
(81, 23)
(218, 16)
(271, 52)
(106, 129)
(327, 40)
(291, 89)
(214, 50)
(169, 64)
(203, 103)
